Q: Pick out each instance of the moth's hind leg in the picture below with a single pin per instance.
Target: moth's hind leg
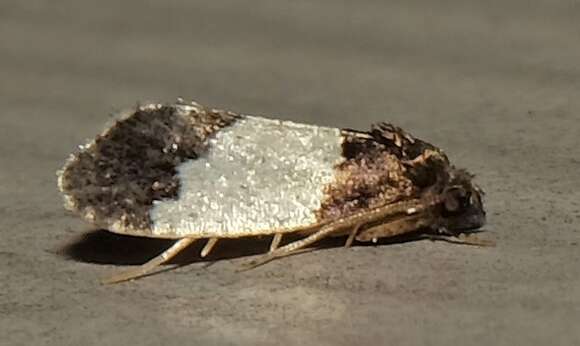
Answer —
(152, 264)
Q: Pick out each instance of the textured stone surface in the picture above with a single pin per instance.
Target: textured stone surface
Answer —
(493, 83)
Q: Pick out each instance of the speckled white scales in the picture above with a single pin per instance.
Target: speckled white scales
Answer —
(258, 176)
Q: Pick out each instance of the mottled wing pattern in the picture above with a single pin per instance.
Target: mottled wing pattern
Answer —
(180, 170)
(381, 166)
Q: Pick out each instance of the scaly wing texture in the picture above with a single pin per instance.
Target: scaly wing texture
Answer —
(183, 170)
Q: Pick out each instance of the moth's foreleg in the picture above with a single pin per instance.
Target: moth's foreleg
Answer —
(395, 227)
(152, 264)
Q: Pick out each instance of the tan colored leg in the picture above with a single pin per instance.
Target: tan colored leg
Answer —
(152, 264)
(404, 207)
(208, 246)
(352, 235)
(411, 208)
(275, 241)
(394, 228)
(293, 247)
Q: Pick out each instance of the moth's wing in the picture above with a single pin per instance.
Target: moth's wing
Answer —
(175, 171)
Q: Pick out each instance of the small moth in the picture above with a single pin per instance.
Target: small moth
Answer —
(186, 172)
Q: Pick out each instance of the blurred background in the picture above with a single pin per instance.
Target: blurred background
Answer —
(494, 83)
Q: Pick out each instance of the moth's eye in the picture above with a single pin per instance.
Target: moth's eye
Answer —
(474, 199)
(466, 201)
(457, 199)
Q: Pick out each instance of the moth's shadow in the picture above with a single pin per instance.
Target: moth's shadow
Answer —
(103, 247)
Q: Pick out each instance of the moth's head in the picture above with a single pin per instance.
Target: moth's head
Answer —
(462, 203)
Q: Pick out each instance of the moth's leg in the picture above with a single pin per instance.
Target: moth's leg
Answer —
(294, 246)
(352, 235)
(208, 246)
(152, 264)
(409, 207)
(396, 227)
(275, 241)
(466, 239)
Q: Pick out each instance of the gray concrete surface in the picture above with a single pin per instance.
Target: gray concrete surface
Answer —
(495, 83)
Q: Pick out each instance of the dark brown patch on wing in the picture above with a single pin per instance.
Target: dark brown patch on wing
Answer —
(381, 166)
(116, 178)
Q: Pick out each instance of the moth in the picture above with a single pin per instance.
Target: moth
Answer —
(187, 172)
